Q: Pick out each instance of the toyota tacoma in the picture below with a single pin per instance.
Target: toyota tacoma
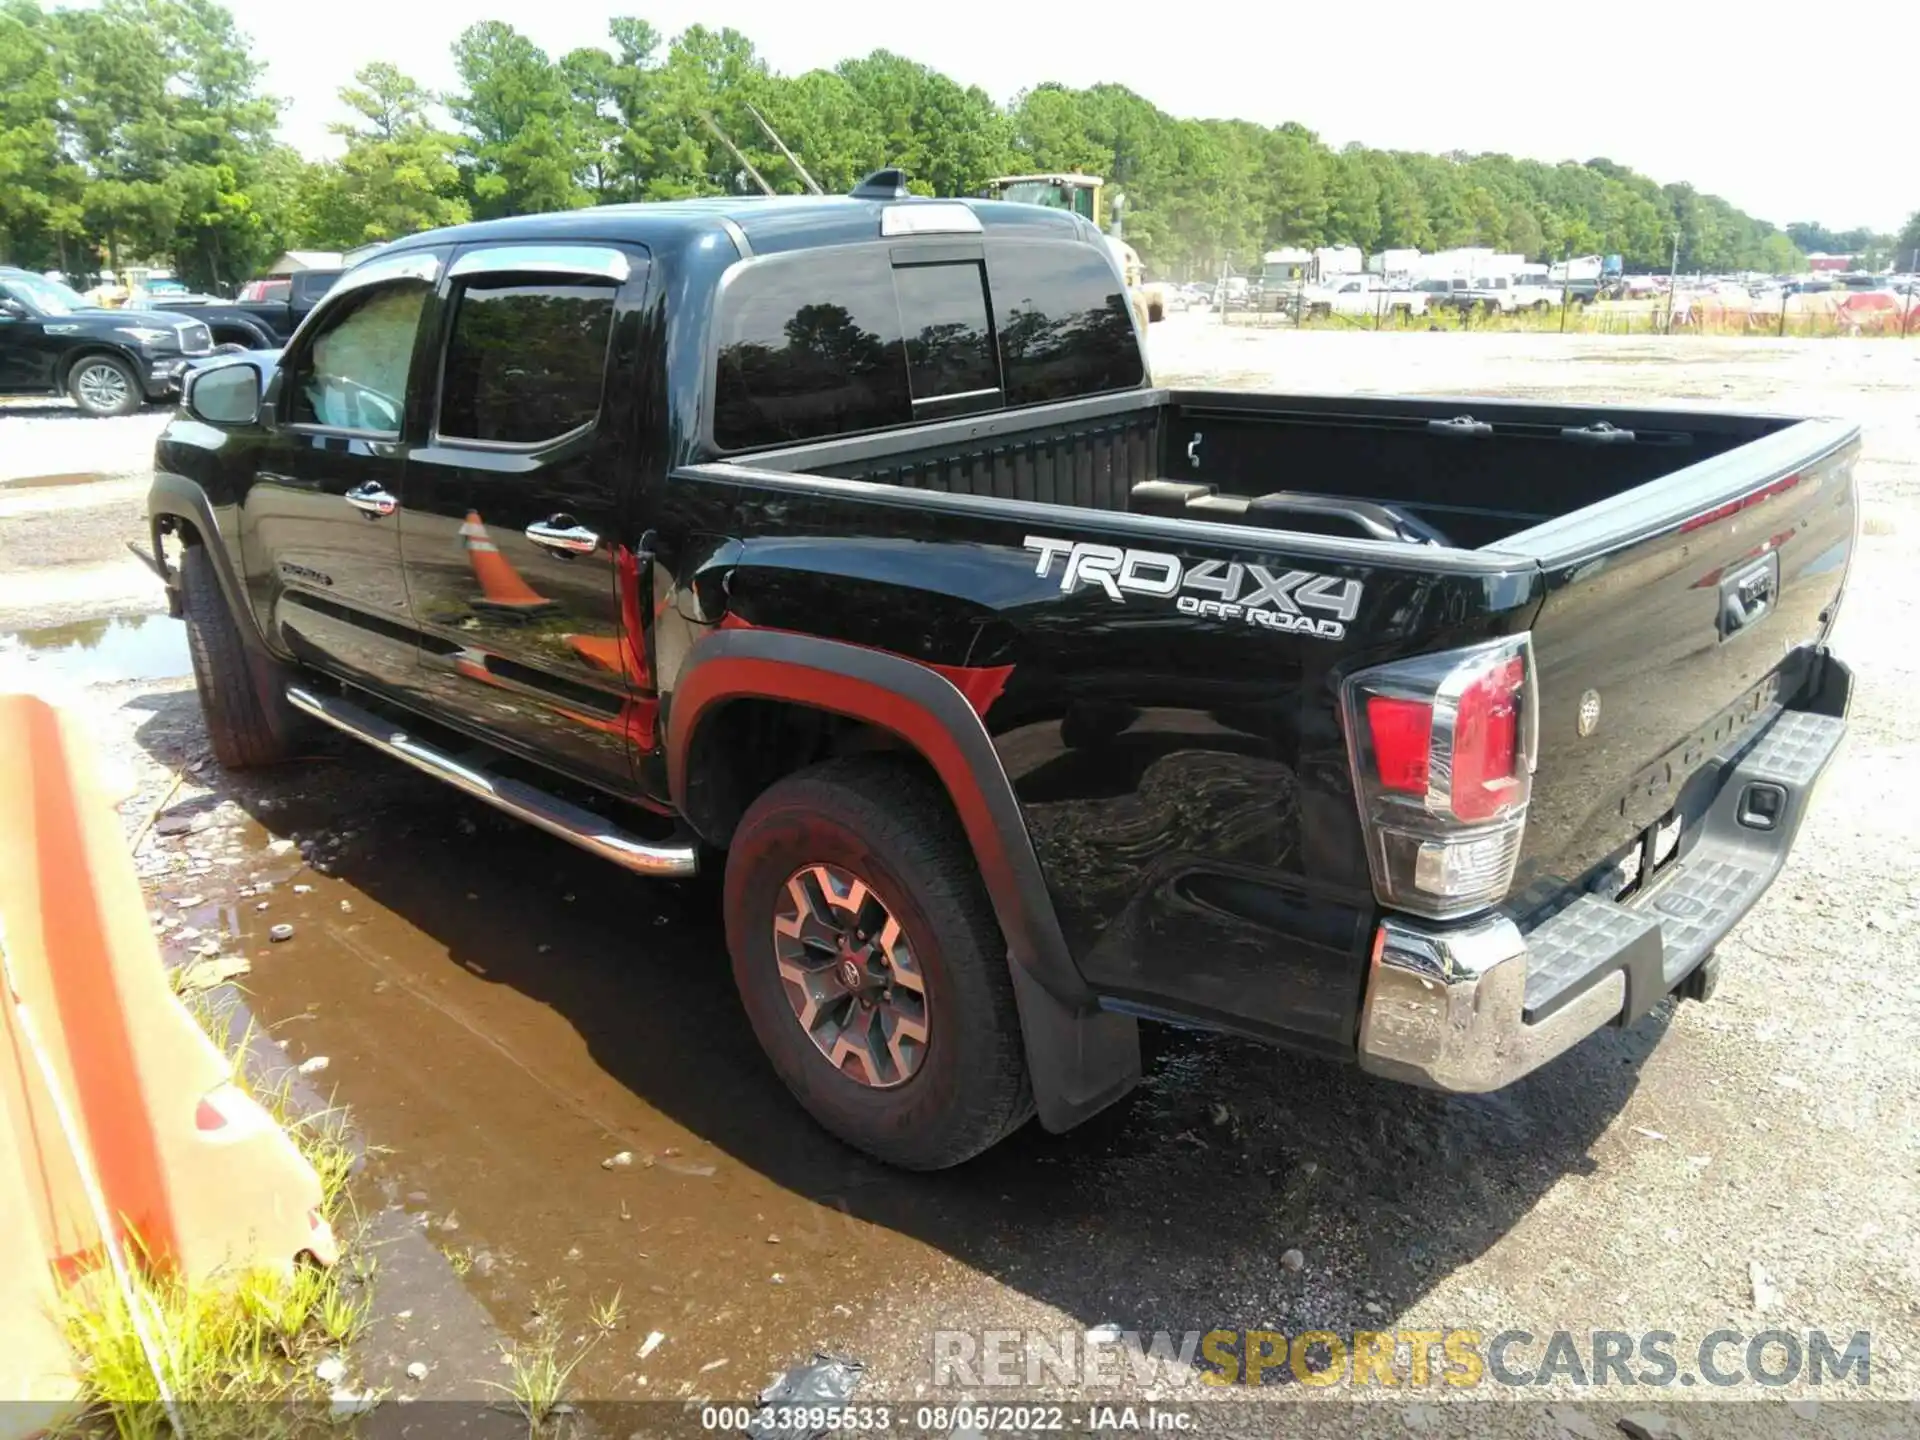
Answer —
(845, 547)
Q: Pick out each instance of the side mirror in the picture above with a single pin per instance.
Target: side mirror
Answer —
(13, 309)
(226, 395)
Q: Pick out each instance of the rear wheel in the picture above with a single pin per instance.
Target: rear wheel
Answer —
(241, 694)
(105, 385)
(870, 965)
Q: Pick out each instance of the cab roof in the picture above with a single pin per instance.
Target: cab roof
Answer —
(768, 224)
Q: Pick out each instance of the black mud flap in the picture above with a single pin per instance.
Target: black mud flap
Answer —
(1079, 1062)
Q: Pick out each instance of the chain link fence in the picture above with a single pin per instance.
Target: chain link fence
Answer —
(1832, 314)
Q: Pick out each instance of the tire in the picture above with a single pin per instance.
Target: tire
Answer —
(105, 385)
(888, 824)
(248, 718)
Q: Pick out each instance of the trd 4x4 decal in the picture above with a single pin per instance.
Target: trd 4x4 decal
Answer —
(1251, 594)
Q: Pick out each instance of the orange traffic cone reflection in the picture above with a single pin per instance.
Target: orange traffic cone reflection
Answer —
(501, 587)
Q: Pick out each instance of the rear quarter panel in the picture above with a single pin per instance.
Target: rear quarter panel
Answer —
(1184, 780)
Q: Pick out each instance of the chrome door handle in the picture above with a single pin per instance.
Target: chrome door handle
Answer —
(370, 500)
(563, 535)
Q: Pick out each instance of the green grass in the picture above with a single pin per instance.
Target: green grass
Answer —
(230, 1352)
(541, 1368)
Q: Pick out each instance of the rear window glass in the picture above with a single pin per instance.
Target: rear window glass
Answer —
(943, 310)
(1065, 325)
(809, 347)
(526, 361)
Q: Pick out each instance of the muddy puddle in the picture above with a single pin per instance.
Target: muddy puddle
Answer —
(96, 652)
(547, 1056)
(549, 1060)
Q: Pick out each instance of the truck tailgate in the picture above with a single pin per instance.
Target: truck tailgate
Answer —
(1679, 618)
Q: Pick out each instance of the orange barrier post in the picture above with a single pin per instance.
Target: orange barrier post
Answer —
(37, 1383)
(501, 587)
(194, 1173)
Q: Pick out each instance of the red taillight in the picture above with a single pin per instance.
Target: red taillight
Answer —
(1442, 748)
(1486, 742)
(1402, 742)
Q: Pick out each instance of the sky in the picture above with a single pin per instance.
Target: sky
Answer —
(1757, 106)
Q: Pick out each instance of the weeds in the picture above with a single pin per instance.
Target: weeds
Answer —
(538, 1385)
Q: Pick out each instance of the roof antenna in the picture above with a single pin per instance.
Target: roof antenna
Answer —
(781, 145)
(721, 136)
(887, 184)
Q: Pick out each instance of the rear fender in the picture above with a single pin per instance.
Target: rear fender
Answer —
(1081, 1059)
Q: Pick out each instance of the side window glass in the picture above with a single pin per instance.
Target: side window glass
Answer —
(1064, 323)
(809, 347)
(353, 376)
(943, 316)
(526, 361)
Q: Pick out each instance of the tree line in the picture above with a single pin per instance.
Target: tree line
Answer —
(144, 130)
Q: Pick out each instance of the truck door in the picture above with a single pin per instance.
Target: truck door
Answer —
(524, 583)
(320, 532)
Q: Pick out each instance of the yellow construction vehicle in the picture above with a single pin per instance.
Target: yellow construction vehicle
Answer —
(1086, 196)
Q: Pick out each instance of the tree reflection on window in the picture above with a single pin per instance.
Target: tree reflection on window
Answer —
(1066, 328)
(795, 366)
(526, 362)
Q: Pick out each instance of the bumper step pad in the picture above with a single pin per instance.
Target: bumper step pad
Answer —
(1693, 904)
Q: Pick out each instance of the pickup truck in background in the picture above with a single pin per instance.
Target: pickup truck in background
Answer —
(1365, 297)
(844, 546)
(265, 313)
(1510, 294)
(1492, 294)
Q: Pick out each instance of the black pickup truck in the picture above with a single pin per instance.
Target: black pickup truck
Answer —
(266, 312)
(845, 546)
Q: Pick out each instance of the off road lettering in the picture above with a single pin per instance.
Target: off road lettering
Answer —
(1244, 593)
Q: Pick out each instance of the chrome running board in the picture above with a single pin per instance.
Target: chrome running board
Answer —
(572, 823)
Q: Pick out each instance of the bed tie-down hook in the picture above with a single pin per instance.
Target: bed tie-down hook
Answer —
(1193, 450)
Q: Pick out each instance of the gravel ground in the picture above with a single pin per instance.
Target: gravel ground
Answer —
(1747, 1165)
(73, 491)
(53, 437)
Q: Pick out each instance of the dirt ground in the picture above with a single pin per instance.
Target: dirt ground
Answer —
(505, 1016)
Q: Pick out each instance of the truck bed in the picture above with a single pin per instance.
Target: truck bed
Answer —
(1677, 570)
(1466, 474)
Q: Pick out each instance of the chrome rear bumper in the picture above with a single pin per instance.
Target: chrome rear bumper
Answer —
(1474, 1007)
(1446, 1009)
